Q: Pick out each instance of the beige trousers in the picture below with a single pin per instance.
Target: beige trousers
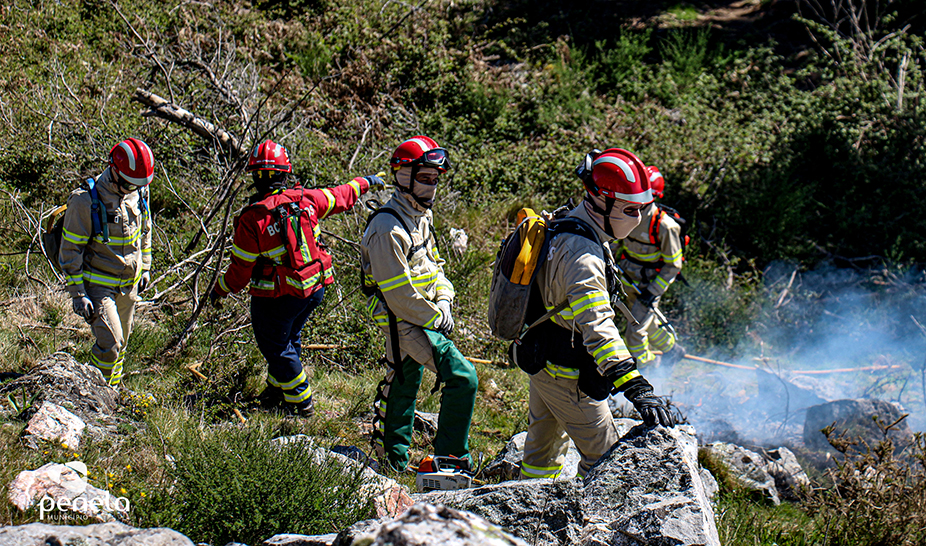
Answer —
(114, 312)
(559, 411)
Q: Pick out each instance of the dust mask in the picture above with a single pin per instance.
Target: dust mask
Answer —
(422, 193)
(612, 217)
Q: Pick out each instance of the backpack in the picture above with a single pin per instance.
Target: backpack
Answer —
(516, 266)
(54, 226)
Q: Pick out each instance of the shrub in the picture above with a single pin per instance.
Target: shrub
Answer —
(236, 485)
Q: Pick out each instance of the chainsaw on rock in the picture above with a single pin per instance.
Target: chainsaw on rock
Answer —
(443, 473)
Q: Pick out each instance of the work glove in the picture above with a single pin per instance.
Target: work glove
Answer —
(446, 322)
(374, 180)
(215, 299)
(651, 408)
(647, 298)
(83, 307)
(144, 281)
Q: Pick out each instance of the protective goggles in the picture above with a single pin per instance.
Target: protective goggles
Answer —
(436, 158)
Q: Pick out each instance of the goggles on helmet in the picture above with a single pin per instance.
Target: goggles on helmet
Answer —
(436, 158)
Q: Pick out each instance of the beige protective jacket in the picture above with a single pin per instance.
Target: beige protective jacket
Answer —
(87, 259)
(638, 250)
(405, 267)
(574, 270)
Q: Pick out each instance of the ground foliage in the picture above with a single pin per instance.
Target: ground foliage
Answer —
(787, 131)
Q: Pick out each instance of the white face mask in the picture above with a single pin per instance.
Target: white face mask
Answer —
(424, 193)
(623, 218)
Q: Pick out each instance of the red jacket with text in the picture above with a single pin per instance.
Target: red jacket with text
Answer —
(275, 248)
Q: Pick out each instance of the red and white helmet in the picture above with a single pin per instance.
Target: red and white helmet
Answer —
(269, 156)
(618, 174)
(132, 161)
(421, 151)
(657, 184)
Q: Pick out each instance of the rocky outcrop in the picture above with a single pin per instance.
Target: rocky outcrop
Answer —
(747, 467)
(57, 488)
(104, 534)
(790, 479)
(56, 424)
(646, 490)
(301, 540)
(427, 524)
(855, 419)
(78, 388)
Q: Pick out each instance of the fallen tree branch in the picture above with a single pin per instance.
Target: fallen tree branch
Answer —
(164, 109)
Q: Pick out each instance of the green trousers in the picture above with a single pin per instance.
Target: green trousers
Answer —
(395, 404)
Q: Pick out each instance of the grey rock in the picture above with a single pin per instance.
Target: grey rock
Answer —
(790, 478)
(60, 486)
(426, 423)
(747, 467)
(427, 524)
(301, 540)
(538, 511)
(103, 534)
(647, 490)
(855, 419)
(364, 528)
(56, 424)
(711, 488)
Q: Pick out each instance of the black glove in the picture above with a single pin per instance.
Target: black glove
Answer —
(651, 408)
(215, 299)
(82, 306)
(144, 281)
(374, 180)
(647, 298)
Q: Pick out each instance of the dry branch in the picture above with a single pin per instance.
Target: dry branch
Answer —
(163, 108)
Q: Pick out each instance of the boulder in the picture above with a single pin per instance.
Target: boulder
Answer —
(57, 486)
(538, 511)
(301, 540)
(747, 467)
(711, 488)
(855, 419)
(790, 478)
(647, 490)
(56, 424)
(429, 524)
(102, 534)
(426, 423)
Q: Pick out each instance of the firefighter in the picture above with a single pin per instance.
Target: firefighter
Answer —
(586, 360)
(411, 300)
(106, 251)
(276, 253)
(651, 257)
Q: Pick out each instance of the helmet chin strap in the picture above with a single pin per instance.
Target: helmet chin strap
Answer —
(605, 213)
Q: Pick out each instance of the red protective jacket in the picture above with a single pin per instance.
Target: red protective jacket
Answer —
(275, 248)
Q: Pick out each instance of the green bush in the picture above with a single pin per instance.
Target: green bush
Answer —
(236, 485)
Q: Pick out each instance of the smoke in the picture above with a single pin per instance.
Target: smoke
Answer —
(805, 326)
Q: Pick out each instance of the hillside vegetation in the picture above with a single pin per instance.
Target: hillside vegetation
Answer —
(788, 133)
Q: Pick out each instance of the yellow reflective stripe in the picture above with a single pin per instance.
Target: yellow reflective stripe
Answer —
(608, 350)
(74, 238)
(639, 347)
(317, 230)
(424, 280)
(673, 258)
(102, 364)
(432, 321)
(648, 257)
(295, 399)
(353, 184)
(146, 251)
(262, 284)
(395, 282)
(626, 378)
(106, 280)
(275, 252)
(561, 371)
(222, 284)
(243, 254)
(330, 197)
(125, 240)
(292, 384)
(540, 471)
(662, 282)
(594, 300)
(75, 279)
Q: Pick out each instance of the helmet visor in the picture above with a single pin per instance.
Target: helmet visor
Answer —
(436, 158)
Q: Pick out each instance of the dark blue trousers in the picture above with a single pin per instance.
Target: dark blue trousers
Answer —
(277, 324)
